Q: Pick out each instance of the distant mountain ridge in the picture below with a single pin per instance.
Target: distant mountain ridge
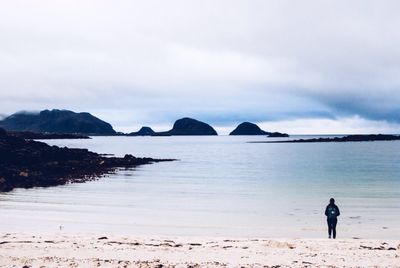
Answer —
(57, 121)
(68, 122)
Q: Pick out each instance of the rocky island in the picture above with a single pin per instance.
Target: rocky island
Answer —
(144, 131)
(57, 121)
(349, 138)
(28, 163)
(247, 128)
(278, 135)
(189, 127)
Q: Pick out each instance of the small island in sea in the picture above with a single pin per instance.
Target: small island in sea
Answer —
(247, 128)
(143, 131)
(189, 127)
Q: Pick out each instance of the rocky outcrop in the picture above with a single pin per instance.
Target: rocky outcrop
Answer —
(349, 138)
(45, 136)
(247, 128)
(188, 127)
(28, 163)
(57, 121)
(278, 135)
(144, 131)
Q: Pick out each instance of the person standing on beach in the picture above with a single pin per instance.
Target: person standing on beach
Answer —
(332, 212)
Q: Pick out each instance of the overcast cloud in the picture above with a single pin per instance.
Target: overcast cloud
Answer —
(308, 66)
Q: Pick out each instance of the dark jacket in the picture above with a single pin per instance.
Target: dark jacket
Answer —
(333, 206)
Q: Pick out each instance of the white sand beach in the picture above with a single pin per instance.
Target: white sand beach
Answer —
(73, 250)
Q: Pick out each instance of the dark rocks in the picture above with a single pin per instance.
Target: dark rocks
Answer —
(349, 138)
(188, 127)
(247, 128)
(57, 121)
(45, 136)
(164, 133)
(27, 163)
(144, 131)
(277, 135)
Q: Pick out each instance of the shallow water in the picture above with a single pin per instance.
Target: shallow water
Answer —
(222, 186)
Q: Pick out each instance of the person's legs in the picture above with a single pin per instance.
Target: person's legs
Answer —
(334, 223)
(329, 228)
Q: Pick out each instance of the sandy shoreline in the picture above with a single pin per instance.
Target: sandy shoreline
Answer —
(67, 250)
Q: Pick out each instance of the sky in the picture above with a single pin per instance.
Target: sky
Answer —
(300, 67)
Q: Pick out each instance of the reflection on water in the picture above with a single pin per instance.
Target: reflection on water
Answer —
(222, 186)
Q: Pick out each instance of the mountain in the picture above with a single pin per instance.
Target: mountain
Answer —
(57, 121)
(144, 131)
(188, 127)
(247, 128)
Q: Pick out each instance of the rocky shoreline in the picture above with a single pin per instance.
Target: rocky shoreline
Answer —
(349, 138)
(45, 136)
(28, 163)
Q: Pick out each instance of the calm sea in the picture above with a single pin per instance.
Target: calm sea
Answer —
(221, 186)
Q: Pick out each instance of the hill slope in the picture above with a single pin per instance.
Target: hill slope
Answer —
(57, 121)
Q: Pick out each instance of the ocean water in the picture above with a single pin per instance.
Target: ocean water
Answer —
(221, 186)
